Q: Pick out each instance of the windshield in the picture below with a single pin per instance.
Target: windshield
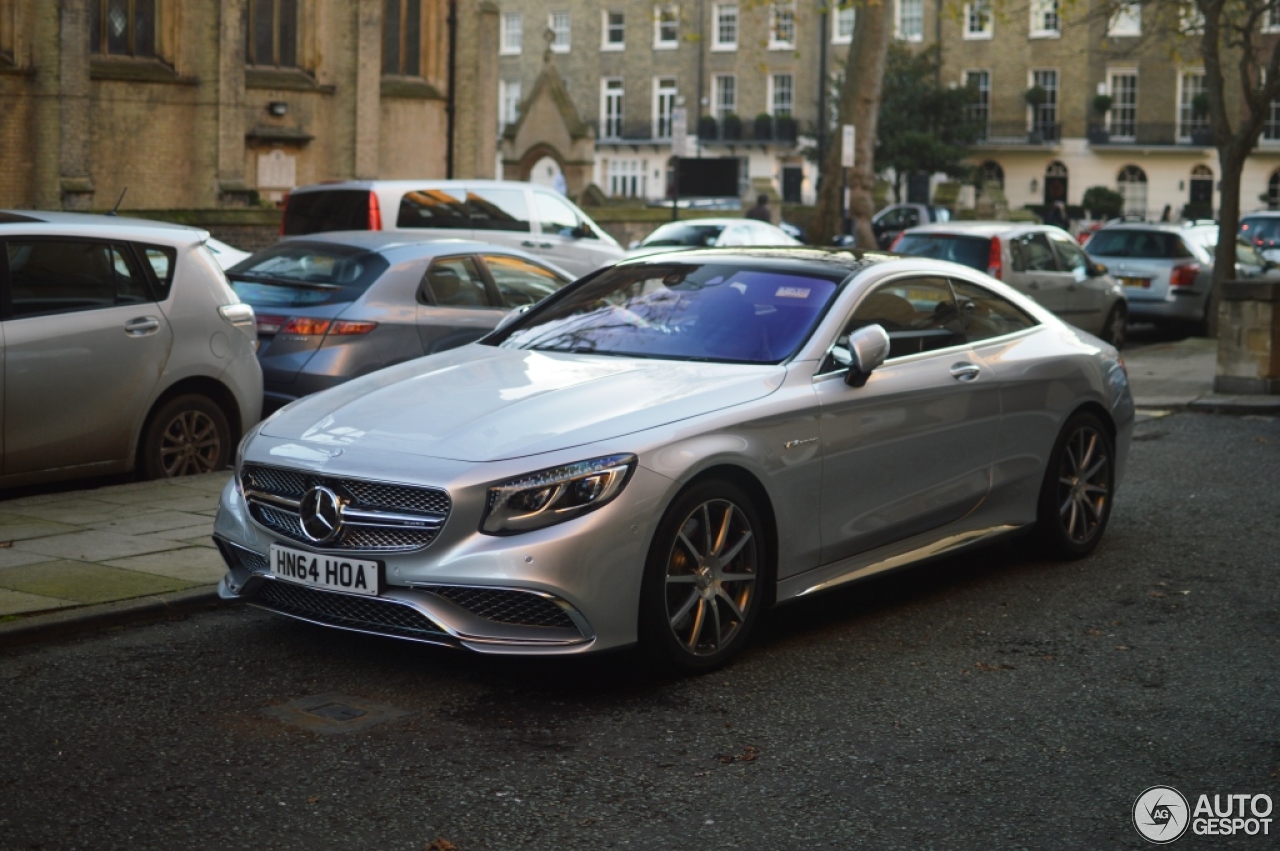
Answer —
(682, 311)
(971, 251)
(302, 275)
(684, 234)
(1261, 231)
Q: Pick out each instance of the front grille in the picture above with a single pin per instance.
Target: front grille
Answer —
(367, 614)
(507, 606)
(430, 504)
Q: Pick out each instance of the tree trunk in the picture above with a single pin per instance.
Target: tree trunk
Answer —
(859, 106)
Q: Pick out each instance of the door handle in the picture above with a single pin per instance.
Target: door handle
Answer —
(964, 371)
(142, 326)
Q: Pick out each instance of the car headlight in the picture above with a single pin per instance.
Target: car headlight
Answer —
(553, 496)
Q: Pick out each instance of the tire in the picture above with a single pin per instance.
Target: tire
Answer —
(1075, 497)
(1114, 330)
(186, 435)
(704, 579)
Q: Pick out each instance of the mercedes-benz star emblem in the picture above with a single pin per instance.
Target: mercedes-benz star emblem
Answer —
(320, 514)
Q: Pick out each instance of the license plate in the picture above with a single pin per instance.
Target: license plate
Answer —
(1144, 283)
(335, 573)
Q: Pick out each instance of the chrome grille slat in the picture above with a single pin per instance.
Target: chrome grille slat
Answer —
(366, 614)
(268, 491)
(504, 605)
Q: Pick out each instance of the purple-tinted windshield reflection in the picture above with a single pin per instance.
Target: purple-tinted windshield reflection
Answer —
(689, 312)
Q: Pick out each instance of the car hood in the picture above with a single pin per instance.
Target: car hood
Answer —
(482, 403)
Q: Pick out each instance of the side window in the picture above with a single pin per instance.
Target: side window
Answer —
(986, 314)
(521, 282)
(432, 208)
(498, 209)
(1070, 257)
(57, 276)
(1036, 255)
(455, 282)
(919, 314)
(555, 215)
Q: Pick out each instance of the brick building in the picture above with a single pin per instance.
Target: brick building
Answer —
(202, 104)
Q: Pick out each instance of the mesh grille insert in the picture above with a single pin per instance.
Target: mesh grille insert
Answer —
(371, 614)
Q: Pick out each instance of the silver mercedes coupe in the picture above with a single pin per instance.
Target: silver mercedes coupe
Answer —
(666, 448)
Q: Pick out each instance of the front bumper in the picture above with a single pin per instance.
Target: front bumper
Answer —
(564, 589)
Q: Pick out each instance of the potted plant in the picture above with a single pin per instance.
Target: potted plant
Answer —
(732, 126)
(707, 128)
(764, 127)
(1200, 135)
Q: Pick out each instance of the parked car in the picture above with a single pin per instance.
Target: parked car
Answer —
(124, 349)
(1262, 229)
(332, 306)
(703, 233)
(657, 453)
(516, 215)
(1040, 261)
(1166, 269)
(896, 218)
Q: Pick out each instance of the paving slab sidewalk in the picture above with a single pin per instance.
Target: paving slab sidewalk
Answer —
(125, 552)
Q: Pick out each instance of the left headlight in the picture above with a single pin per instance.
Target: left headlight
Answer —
(553, 496)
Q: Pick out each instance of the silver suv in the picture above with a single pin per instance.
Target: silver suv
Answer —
(516, 215)
(1041, 261)
(124, 349)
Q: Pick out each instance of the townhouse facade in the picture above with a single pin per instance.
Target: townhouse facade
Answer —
(206, 104)
(1043, 78)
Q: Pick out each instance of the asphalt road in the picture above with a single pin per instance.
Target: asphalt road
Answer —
(981, 702)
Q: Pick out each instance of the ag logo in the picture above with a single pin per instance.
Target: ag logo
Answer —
(1161, 814)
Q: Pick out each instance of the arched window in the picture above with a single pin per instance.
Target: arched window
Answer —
(990, 172)
(1132, 183)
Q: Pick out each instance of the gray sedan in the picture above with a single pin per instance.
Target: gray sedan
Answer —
(337, 305)
(660, 452)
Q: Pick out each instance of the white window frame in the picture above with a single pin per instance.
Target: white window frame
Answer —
(917, 20)
(1126, 22)
(612, 94)
(984, 104)
(1185, 121)
(659, 43)
(775, 89)
(559, 45)
(1043, 11)
(720, 11)
(718, 99)
(664, 104)
(511, 39)
(606, 29)
(509, 96)
(979, 12)
(840, 16)
(1116, 132)
(782, 13)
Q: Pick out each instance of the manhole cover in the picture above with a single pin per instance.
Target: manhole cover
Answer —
(334, 713)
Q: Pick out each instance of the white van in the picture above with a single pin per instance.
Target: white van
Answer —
(519, 215)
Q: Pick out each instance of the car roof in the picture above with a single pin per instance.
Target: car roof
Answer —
(408, 244)
(89, 224)
(987, 229)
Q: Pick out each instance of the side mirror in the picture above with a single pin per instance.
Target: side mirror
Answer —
(1097, 270)
(869, 346)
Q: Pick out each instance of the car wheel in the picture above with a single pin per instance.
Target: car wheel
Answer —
(1075, 499)
(1115, 328)
(186, 435)
(704, 579)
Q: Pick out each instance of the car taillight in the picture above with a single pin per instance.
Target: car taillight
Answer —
(375, 212)
(995, 266)
(309, 326)
(284, 212)
(1184, 275)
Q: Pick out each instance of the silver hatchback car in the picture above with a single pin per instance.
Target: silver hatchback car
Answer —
(124, 348)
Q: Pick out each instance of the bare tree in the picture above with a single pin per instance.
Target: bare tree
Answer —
(859, 106)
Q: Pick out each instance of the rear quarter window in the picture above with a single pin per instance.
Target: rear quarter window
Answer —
(326, 210)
